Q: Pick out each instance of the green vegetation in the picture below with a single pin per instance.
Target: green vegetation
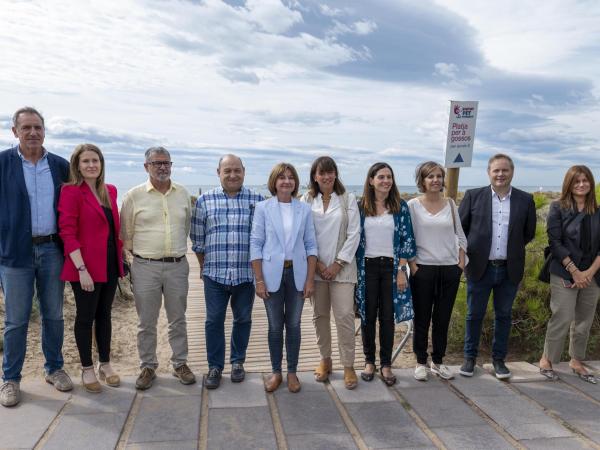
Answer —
(531, 310)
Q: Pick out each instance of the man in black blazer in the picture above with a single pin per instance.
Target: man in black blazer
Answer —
(498, 220)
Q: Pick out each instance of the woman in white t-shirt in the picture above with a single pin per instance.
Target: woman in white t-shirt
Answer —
(436, 270)
(337, 226)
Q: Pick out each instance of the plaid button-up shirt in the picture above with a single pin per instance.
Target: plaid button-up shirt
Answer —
(220, 230)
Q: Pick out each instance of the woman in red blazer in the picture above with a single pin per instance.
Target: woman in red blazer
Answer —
(89, 227)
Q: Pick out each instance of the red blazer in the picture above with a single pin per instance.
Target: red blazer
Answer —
(83, 225)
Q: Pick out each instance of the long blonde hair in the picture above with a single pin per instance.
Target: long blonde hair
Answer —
(75, 177)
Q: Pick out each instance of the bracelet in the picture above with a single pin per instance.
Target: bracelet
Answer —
(340, 262)
(571, 263)
(260, 282)
(82, 268)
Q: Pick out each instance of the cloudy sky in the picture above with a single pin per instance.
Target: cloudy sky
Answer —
(274, 80)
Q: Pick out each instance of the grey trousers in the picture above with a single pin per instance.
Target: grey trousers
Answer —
(151, 281)
(574, 309)
(338, 297)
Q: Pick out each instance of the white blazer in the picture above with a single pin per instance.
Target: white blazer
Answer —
(267, 241)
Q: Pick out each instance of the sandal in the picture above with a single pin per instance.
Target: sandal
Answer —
(550, 374)
(368, 376)
(587, 377)
(390, 381)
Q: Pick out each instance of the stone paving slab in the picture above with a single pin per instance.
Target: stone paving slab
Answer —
(522, 372)
(37, 415)
(248, 393)
(406, 380)
(480, 384)
(249, 427)
(566, 375)
(594, 365)
(169, 386)
(386, 425)
(555, 443)
(440, 407)
(179, 445)
(110, 400)
(472, 437)
(161, 419)
(374, 391)
(100, 431)
(325, 441)
(567, 402)
(308, 412)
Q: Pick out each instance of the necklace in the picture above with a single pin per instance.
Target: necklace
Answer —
(326, 197)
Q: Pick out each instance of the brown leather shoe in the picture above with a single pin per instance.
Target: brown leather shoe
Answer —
(350, 380)
(293, 383)
(323, 370)
(273, 382)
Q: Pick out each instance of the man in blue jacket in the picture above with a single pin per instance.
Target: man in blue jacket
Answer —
(30, 251)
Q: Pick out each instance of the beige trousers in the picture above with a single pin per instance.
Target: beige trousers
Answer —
(153, 280)
(338, 297)
(572, 308)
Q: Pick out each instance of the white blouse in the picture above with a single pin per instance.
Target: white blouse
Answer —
(287, 219)
(379, 236)
(327, 228)
(437, 244)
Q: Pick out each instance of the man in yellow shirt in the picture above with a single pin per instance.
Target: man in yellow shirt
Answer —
(155, 224)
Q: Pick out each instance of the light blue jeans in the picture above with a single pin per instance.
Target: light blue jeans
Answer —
(18, 284)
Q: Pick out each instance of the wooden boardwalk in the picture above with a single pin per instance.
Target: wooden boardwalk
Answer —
(257, 357)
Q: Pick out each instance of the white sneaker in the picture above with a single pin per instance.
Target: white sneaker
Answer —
(441, 371)
(421, 372)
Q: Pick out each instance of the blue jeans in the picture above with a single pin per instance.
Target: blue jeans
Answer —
(216, 296)
(17, 283)
(478, 293)
(284, 307)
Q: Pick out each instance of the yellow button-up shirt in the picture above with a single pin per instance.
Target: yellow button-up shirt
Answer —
(156, 225)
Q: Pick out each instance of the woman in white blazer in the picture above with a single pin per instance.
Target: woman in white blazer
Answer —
(283, 251)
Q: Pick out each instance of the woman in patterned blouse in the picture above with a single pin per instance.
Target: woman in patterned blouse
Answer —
(386, 244)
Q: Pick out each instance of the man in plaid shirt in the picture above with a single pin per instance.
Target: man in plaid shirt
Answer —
(221, 225)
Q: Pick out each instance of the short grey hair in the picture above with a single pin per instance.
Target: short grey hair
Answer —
(26, 110)
(156, 150)
(230, 155)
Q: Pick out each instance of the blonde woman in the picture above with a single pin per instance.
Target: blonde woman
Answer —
(88, 224)
(337, 226)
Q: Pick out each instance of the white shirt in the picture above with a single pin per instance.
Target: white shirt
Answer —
(379, 236)
(500, 219)
(287, 219)
(437, 244)
(327, 228)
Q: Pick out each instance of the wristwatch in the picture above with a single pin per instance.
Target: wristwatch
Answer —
(82, 268)
(403, 269)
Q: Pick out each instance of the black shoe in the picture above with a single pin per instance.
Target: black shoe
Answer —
(213, 379)
(468, 367)
(502, 372)
(237, 373)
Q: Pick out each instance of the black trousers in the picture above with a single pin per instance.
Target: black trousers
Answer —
(379, 304)
(433, 293)
(94, 306)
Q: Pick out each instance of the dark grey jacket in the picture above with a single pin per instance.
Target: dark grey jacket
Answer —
(565, 240)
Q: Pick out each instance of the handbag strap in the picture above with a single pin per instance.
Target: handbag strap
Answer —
(452, 209)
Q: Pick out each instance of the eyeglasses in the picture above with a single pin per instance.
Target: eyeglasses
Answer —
(160, 163)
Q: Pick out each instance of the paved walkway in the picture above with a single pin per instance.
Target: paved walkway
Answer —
(481, 412)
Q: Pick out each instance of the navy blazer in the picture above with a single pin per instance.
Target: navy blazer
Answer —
(15, 211)
(475, 212)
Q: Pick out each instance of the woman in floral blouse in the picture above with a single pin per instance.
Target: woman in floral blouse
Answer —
(386, 243)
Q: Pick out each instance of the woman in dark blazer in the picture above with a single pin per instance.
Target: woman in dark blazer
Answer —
(573, 234)
(89, 227)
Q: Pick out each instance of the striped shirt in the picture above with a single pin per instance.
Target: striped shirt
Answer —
(220, 230)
